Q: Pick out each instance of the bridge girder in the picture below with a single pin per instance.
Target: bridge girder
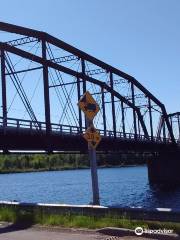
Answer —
(48, 63)
(58, 67)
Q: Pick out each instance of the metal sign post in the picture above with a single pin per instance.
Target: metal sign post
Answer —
(94, 175)
(90, 108)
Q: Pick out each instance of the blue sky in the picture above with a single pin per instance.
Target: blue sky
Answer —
(140, 37)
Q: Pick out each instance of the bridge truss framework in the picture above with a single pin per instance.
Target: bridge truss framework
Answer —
(127, 109)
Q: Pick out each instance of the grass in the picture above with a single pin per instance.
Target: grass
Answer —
(7, 215)
(80, 221)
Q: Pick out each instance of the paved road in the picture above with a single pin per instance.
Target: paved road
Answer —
(32, 234)
(10, 232)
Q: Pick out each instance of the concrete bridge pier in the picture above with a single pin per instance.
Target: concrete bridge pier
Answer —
(164, 168)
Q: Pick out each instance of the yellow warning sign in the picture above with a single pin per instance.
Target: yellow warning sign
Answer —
(88, 105)
(92, 136)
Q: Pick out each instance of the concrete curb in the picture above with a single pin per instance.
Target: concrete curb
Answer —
(122, 232)
(156, 214)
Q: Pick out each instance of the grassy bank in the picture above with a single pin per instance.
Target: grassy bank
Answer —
(53, 162)
(79, 221)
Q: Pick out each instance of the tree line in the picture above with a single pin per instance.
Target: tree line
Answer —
(41, 162)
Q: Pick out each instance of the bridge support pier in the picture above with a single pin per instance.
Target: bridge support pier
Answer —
(164, 168)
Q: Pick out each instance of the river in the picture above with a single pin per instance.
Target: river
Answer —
(123, 187)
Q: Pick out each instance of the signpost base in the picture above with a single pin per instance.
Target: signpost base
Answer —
(94, 175)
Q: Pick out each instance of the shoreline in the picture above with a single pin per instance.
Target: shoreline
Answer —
(65, 168)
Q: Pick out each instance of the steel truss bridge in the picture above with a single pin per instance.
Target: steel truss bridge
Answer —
(42, 79)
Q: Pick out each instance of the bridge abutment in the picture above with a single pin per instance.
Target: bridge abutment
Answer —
(164, 168)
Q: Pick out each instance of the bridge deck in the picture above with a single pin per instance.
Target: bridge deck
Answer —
(25, 135)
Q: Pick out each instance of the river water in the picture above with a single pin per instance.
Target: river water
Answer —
(124, 187)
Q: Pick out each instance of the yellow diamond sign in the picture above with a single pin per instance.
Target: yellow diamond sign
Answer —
(88, 105)
(92, 136)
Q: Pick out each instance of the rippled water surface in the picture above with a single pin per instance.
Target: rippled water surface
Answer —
(127, 186)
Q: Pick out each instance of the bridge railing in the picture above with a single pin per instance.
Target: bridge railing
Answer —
(72, 130)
